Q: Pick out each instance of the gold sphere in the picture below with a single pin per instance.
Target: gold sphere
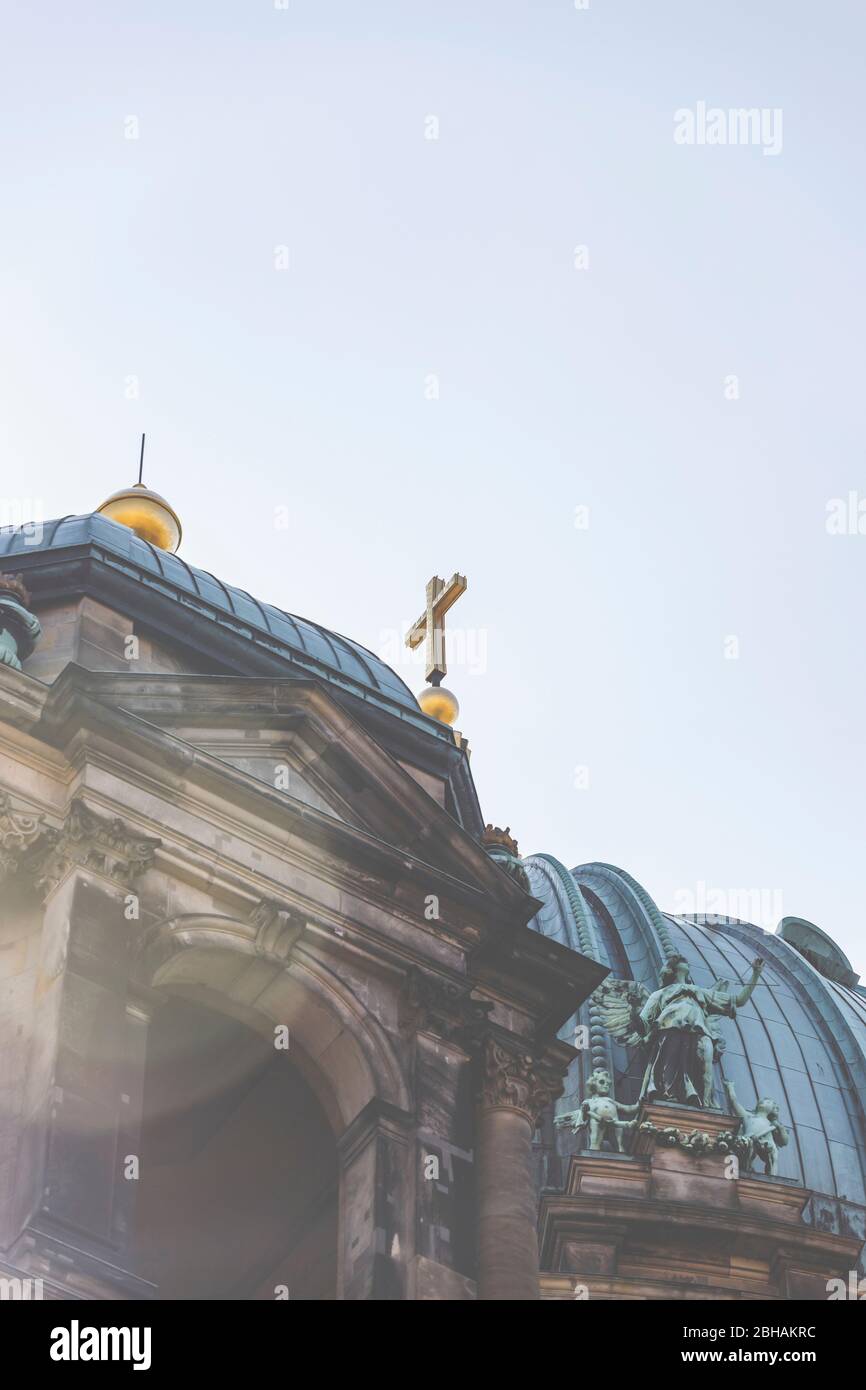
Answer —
(145, 513)
(439, 703)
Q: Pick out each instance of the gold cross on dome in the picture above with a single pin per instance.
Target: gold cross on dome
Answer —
(430, 627)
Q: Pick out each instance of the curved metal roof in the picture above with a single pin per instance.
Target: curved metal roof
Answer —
(308, 643)
(801, 1037)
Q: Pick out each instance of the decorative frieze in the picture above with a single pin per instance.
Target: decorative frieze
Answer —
(694, 1141)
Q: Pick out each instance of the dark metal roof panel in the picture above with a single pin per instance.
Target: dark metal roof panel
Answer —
(280, 629)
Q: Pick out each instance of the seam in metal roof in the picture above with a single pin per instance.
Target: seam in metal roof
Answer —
(345, 657)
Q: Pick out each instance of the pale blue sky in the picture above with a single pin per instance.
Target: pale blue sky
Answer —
(604, 387)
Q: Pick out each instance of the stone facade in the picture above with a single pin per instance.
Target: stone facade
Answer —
(339, 920)
(273, 1020)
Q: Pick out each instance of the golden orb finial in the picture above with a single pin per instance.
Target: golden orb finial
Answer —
(439, 703)
(144, 512)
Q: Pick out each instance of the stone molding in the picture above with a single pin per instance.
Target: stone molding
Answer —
(613, 1227)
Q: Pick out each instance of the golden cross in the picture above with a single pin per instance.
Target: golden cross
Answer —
(430, 627)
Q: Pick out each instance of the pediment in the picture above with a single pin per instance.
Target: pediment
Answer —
(291, 739)
(270, 759)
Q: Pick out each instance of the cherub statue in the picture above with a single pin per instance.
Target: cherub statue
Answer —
(599, 1112)
(680, 1024)
(761, 1133)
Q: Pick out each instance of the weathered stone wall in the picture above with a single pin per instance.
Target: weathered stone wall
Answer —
(157, 862)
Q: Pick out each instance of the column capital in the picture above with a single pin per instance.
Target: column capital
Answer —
(514, 1074)
(86, 840)
(21, 830)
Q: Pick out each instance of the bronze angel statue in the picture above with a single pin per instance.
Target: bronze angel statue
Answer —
(680, 1023)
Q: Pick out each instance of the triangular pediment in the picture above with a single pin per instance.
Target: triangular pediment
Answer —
(271, 760)
(292, 740)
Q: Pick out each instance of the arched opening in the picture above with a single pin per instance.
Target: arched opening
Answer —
(237, 1195)
(346, 1075)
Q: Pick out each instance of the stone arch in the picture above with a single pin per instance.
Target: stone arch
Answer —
(219, 960)
(338, 1045)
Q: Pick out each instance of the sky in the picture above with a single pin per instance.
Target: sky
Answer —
(403, 289)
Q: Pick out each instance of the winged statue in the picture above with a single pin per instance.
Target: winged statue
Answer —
(679, 1023)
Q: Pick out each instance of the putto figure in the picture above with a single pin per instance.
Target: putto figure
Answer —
(680, 1024)
(761, 1133)
(599, 1113)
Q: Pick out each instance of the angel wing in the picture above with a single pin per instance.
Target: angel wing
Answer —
(621, 1002)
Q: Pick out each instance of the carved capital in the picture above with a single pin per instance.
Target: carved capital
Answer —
(87, 841)
(277, 930)
(20, 831)
(446, 1007)
(515, 1077)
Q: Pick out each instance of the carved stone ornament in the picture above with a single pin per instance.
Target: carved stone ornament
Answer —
(19, 831)
(277, 930)
(694, 1141)
(87, 841)
(445, 1007)
(514, 1078)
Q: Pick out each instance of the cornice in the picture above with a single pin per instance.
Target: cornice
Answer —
(439, 1004)
(74, 705)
